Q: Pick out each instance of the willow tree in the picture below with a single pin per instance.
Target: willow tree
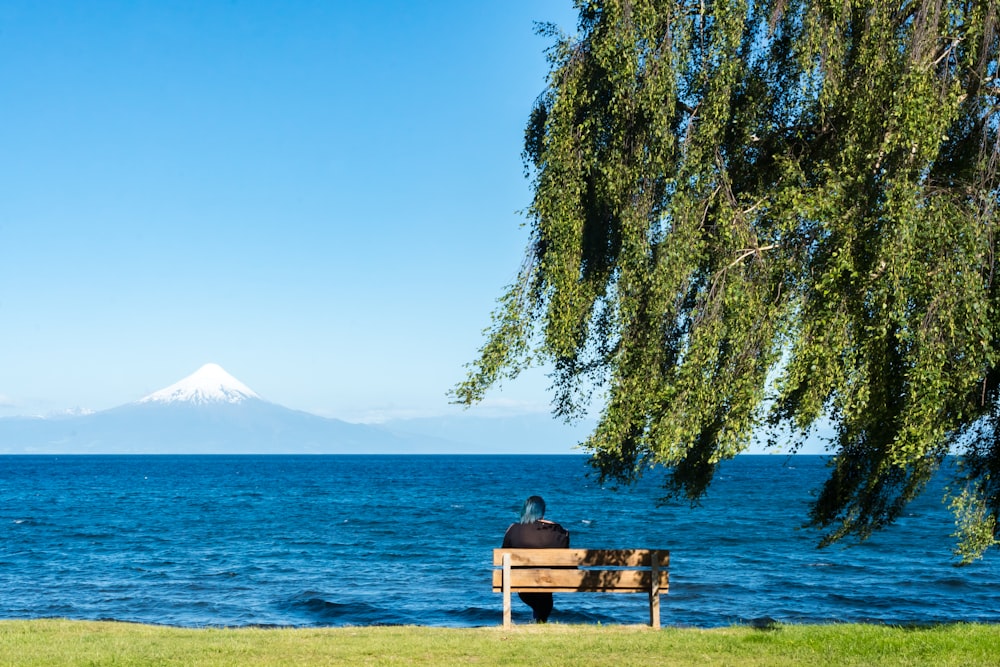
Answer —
(751, 215)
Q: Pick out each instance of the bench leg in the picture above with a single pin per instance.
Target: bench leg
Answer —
(654, 591)
(506, 591)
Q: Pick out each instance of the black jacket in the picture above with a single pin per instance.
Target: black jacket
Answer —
(537, 535)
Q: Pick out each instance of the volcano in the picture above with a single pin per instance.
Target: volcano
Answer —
(209, 384)
(207, 412)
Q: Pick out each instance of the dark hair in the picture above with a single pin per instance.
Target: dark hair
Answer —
(533, 509)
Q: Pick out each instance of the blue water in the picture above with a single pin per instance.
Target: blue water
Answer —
(361, 540)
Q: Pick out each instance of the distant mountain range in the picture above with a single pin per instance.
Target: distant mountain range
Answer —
(211, 412)
(536, 433)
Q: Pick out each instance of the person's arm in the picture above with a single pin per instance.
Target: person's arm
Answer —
(558, 537)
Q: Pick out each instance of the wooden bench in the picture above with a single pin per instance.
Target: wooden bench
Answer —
(581, 570)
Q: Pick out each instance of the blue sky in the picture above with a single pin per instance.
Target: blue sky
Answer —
(321, 197)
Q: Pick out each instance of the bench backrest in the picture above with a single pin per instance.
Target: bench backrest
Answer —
(593, 570)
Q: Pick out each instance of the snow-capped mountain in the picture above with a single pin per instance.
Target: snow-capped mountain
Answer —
(208, 412)
(209, 384)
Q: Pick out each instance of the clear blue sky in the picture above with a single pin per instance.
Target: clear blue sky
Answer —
(322, 197)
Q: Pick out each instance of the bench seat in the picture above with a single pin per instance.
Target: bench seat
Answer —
(581, 570)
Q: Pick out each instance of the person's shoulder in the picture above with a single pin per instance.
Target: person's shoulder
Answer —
(508, 536)
(552, 525)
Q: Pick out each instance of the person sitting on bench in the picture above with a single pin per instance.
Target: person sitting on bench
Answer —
(535, 532)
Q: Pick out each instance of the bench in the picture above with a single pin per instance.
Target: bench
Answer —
(581, 570)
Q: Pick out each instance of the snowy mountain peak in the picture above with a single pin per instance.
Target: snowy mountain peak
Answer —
(209, 384)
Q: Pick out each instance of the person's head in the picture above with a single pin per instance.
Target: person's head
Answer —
(533, 509)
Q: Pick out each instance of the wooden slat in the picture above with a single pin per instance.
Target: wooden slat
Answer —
(542, 580)
(581, 557)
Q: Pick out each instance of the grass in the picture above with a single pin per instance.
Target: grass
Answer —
(61, 642)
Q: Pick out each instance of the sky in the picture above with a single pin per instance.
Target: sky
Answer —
(322, 197)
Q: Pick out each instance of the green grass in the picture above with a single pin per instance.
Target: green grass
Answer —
(60, 642)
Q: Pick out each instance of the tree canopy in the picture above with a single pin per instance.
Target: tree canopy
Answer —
(753, 215)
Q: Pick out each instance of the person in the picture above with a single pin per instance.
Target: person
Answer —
(534, 531)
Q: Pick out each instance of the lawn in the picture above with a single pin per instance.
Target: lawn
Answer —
(62, 642)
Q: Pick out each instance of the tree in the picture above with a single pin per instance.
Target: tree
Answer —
(753, 214)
